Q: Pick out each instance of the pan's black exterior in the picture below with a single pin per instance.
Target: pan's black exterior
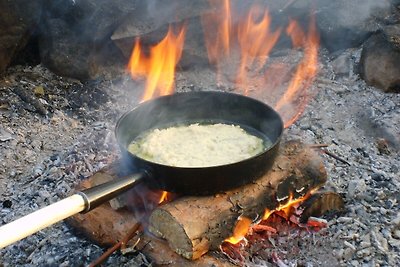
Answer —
(192, 107)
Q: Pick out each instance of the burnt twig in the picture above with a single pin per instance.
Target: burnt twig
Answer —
(30, 99)
(120, 245)
(318, 145)
(335, 157)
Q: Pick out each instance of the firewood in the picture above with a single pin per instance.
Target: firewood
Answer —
(194, 225)
(103, 225)
(321, 203)
(107, 227)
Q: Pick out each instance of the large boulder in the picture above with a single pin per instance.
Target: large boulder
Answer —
(380, 59)
(344, 23)
(18, 19)
(150, 22)
(75, 36)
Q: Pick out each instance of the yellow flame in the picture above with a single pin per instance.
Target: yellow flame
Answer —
(251, 41)
(164, 197)
(159, 66)
(239, 232)
(286, 207)
(303, 77)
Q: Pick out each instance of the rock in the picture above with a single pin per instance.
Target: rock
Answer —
(5, 135)
(18, 19)
(342, 23)
(356, 187)
(150, 22)
(75, 40)
(396, 234)
(380, 59)
(342, 65)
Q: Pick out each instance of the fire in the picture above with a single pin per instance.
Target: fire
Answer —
(256, 42)
(158, 67)
(218, 41)
(296, 33)
(290, 203)
(217, 29)
(164, 197)
(246, 45)
(244, 225)
(239, 232)
(304, 75)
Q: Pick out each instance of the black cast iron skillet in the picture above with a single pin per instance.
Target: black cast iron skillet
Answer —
(178, 109)
(204, 107)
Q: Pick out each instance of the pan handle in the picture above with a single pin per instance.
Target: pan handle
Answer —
(83, 201)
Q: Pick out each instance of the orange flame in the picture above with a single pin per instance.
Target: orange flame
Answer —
(217, 29)
(159, 66)
(296, 33)
(243, 225)
(164, 197)
(254, 40)
(291, 202)
(303, 77)
(239, 232)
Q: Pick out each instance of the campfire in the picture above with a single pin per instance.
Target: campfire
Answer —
(299, 200)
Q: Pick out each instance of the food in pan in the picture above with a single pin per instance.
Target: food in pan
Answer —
(197, 145)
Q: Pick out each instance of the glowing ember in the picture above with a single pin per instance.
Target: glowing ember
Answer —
(243, 225)
(159, 66)
(241, 229)
(290, 203)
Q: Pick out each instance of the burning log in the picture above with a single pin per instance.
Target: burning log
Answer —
(321, 203)
(194, 225)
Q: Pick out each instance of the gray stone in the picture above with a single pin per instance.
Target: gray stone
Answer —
(356, 187)
(75, 36)
(150, 22)
(18, 19)
(380, 59)
(342, 23)
(342, 64)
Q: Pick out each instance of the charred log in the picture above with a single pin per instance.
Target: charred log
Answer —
(321, 203)
(194, 225)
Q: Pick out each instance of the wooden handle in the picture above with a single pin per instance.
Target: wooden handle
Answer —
(40, 219)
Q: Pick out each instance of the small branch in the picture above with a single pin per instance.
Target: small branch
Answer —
(120, 245)
(335, 157)
(318, 145)
(105, 255)
(130, 234)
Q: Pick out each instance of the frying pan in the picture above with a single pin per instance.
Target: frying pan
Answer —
(178, 109)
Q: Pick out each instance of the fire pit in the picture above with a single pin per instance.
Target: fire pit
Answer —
(56, 132)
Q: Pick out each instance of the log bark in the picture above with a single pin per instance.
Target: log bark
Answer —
(103, 225)
(107, 226)
(194, 225)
